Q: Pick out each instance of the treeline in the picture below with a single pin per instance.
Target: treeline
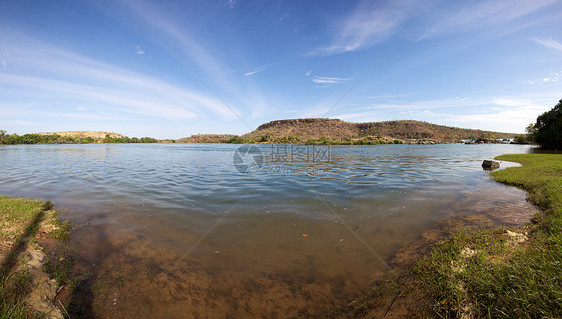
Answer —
(12, 139)
(125, 139)
(361, 141)
(270, 138)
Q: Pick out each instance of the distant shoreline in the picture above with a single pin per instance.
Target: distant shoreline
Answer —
(312, 131)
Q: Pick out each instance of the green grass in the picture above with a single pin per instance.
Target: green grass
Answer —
(498, 278)
(12, 287)
(18, 213)
(21, 221)
(60, 270)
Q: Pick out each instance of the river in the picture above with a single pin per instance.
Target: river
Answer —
(220, 230)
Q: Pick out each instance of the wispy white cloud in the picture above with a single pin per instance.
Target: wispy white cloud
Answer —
(545, 81)
(554, 78)
(231, 3)
(317, 110)
(122, 99)
(14, 110)
(193, 51)
(139, 50)
(46, 72)
(174, 37)
(370, 23)
(329, 80)
(86, 116)
(507, 114)
(374, 21)
(471, 16)
(4, 56)
(260, 69)
(388, 96)
(549, 43)
(509, 119)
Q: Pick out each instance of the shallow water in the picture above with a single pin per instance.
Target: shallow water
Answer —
(178, 230)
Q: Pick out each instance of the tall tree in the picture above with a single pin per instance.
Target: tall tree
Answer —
(548, 129)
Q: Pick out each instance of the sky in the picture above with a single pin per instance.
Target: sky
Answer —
(171, 69)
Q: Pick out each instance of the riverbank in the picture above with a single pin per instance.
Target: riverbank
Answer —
(498, 272)
(26, 226)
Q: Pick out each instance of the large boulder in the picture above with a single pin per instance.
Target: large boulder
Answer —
(488, 164)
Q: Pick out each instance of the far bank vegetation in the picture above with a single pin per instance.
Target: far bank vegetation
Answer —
(73, 137)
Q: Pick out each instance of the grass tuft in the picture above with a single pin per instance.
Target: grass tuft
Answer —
(48, 205)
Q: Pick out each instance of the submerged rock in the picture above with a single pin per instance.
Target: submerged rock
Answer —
(488, 164)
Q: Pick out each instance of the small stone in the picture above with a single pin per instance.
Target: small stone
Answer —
(516, 237)
(467, 252)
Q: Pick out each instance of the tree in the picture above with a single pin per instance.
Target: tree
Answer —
(548, 129)
(10, 139)
(487, 136)
(530, 129)
(530, 136)
(108, 139)
(520, 139)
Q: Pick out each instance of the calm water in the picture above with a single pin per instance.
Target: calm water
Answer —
(177, 230)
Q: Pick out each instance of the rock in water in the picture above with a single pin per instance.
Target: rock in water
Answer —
(487, 164)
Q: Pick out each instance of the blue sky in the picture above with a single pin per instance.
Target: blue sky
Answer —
(170, 69)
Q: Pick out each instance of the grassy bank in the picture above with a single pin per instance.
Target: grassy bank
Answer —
(23, 222)
(501, 272)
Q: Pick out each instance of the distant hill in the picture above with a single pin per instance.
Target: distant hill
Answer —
(335, 131)
(338, 131)
(95, 135)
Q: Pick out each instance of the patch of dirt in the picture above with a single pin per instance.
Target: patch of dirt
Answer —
(20, 253)
(44, 289)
